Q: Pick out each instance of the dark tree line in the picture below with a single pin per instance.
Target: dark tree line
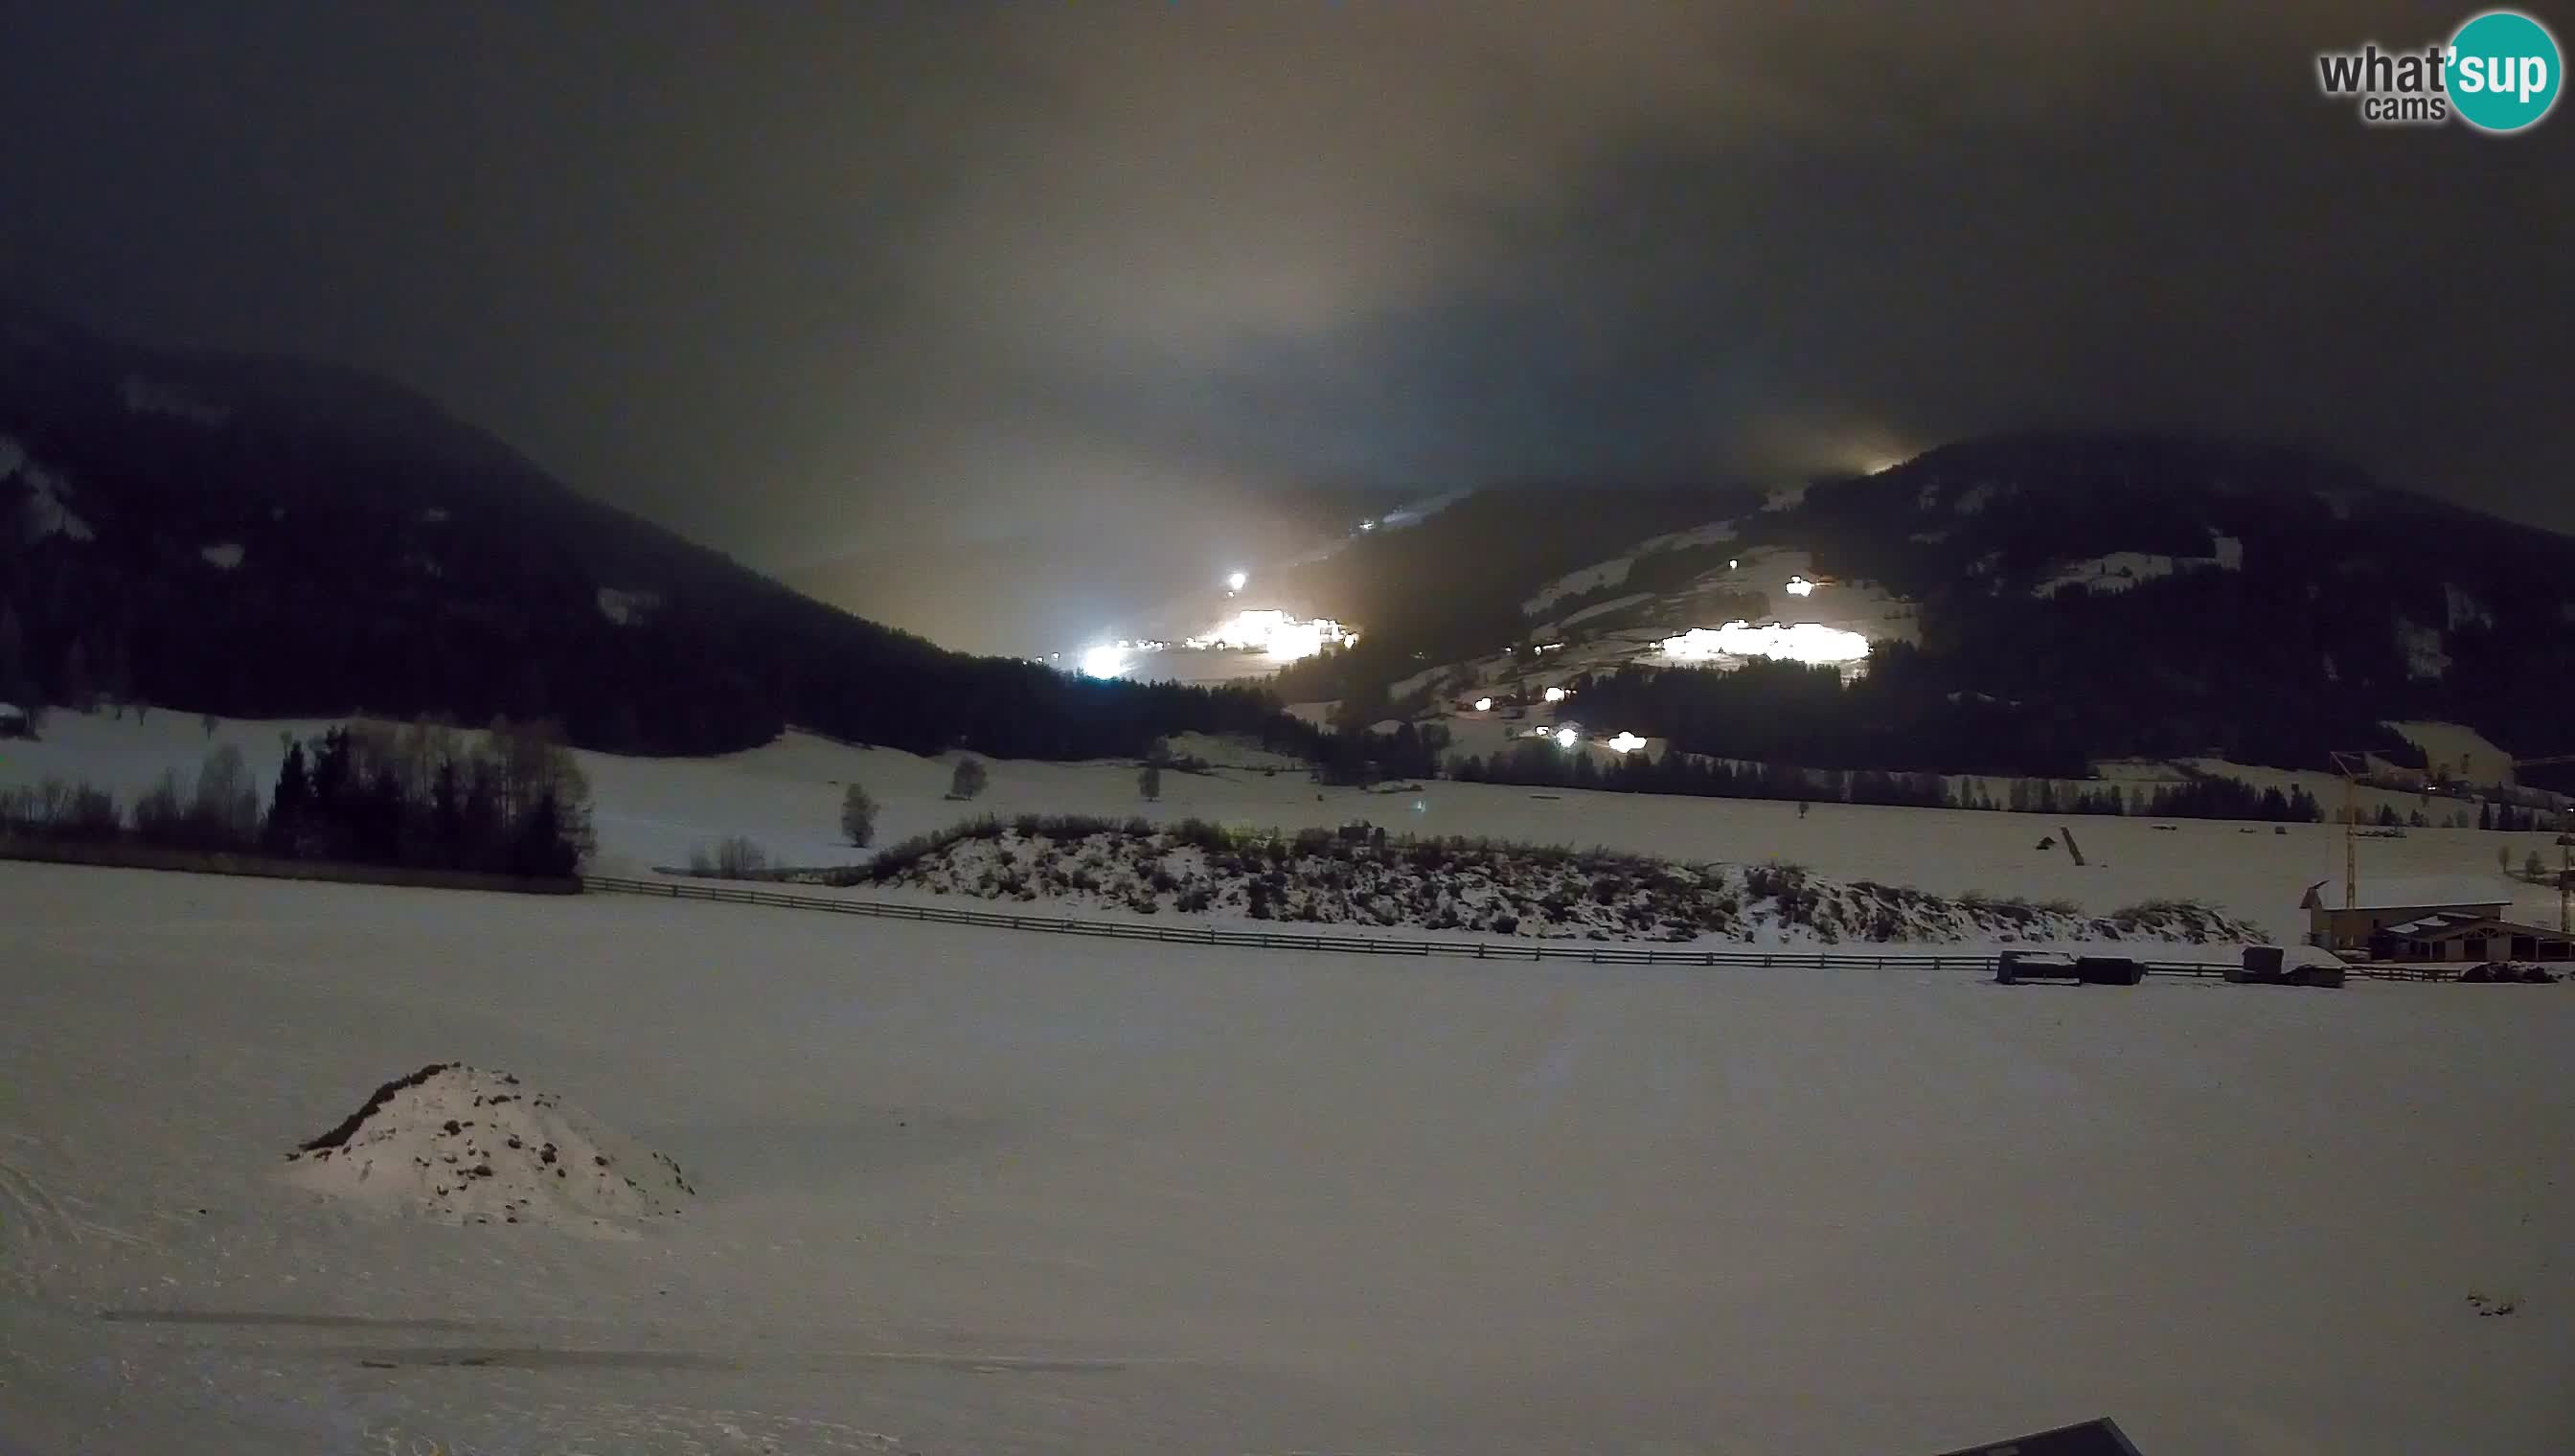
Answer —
(511, 801)
(1541, 762)
(508, 802)
(1357, 755)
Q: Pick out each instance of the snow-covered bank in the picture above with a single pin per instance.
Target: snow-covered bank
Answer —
(1370, 878)
(966, 1192)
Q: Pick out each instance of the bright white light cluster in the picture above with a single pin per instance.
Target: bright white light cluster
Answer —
(1282, 637)
(1626, 742)
(1107, 659)
(1555, 694)
(1800, 587)
(1483, 704)
(1807, 642)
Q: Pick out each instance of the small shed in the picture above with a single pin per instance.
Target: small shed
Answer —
(2391, 900)
(15, 722)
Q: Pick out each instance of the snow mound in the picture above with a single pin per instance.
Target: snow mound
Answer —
(463, 1145)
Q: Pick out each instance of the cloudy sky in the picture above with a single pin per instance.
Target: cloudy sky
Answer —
(992, 319)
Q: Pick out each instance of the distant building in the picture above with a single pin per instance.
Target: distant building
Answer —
(14, 721)
(2427, 921)
(2469, 939)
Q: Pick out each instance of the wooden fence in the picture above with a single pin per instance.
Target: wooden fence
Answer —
(1593, 952)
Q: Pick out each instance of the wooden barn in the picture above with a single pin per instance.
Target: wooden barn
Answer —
(2460, 921)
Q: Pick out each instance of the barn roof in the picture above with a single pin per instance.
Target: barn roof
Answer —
(2399, 892)
(2451, 927)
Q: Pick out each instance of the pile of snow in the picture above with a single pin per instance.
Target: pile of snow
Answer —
(1363, 877)
(463, 1145)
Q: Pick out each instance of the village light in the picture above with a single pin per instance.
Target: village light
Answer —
(1555, 694)
(1626, 742)
(1800, 587)
(1103, 662)
(1483, 704)
(1564, 738)
(1237, 582)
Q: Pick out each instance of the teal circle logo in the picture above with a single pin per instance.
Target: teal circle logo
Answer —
(2504, 71)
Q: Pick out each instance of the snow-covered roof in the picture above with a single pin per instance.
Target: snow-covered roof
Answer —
(2432, 925)
(2451, 927)
(11, 709)
(2399, 892)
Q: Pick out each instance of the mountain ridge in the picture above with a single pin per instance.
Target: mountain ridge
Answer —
(2110, 593)
(249, 535)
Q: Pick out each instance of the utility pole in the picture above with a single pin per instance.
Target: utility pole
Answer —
(2350, 763)
(2565, 877)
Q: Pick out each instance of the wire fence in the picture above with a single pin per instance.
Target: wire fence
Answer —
(1589, 952)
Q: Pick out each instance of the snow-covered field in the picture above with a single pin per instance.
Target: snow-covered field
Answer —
(786, 795)
(974, 1192)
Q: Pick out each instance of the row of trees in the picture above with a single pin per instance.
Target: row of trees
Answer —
(508, 800)
(1539, 761)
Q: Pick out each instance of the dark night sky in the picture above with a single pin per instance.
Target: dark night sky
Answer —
(882, 298)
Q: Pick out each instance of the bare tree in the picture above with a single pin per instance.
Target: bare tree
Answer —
(969, 780)
(227, 798)
(1149, 780)
(735, 857)
(858, 816)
